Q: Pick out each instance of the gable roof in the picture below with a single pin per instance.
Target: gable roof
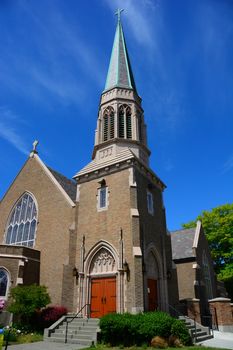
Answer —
(182, 243)
(67, 184)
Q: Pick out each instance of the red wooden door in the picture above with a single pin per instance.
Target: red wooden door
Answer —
(152, 294)
(103, 296)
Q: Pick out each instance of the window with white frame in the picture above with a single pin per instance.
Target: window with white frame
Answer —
(102, 196)
(21, 227)
(150, 203)
(4, 281)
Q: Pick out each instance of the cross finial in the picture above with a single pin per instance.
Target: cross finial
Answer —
(118, 14)
(35, 143)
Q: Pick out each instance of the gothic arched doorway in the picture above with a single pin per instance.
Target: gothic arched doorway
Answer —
(103, 283)
(152, 272)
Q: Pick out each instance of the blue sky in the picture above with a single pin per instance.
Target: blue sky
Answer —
(54, 58)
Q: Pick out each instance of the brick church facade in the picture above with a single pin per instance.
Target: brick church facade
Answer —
(100, 239)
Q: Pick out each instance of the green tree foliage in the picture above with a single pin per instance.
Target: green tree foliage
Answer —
(28, 299)
(218, 227)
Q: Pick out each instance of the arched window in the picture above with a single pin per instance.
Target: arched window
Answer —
(124, 122)
(22, 223)
(206, 276)
(4, 280)
(121, 123)
(108, 124)
(102, 196)
(128, 123)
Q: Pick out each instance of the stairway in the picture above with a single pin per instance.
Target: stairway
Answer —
(80, 331)
(198, 332)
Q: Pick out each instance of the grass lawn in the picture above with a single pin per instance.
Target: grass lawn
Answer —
(104, 347)
(24, 338)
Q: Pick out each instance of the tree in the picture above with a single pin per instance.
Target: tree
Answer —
(28, 299)
(218, 227)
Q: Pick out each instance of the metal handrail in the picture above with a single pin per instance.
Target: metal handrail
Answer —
(210, 326)
(75, 316)
(178, 313)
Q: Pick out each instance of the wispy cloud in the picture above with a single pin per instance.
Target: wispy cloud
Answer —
(137, 18)
(57, 62)
(228, 165)
(9, 132)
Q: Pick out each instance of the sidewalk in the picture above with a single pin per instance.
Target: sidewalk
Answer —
(220, 340)
(43, 345)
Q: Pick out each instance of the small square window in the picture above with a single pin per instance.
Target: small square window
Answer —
(150, 203)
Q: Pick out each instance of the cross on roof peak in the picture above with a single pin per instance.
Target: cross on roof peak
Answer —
(35, 144)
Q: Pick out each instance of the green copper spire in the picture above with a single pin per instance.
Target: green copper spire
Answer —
(119, 72)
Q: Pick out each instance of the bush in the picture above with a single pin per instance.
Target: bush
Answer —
(28, 299)
(25, 302)
(179, 330)
(46, 317)
(51, 314)
(127, 329)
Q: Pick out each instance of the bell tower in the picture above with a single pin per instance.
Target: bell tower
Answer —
(123, 248)
(120, 121)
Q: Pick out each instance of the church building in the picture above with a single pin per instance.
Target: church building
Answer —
(99, 239)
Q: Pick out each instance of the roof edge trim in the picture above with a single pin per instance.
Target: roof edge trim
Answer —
(55, 182)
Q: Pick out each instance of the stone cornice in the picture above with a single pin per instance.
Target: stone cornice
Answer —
(117, 93)
(120, 140)
(121, 165)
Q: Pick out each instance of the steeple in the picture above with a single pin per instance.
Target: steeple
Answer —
(119, 72)
(120, 124)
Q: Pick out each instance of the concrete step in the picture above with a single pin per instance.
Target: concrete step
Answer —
(71, 336)
(203, 337)
(70, 341)
(80, 331)
(74, 331)
(200, 333)
(84, 320)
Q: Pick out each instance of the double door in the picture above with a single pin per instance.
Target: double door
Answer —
(103, 296)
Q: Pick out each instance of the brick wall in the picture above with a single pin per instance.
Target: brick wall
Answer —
(55, 215)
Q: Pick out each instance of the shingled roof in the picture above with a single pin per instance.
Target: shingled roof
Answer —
(68, 185)
(182, 243)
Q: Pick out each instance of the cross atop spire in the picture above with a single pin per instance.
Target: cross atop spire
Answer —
(118, 14)
(119, 72)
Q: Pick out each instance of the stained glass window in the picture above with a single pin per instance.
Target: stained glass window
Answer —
(3, 282)
(21, 227)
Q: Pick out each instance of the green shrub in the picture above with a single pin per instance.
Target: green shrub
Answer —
(127, 329)
(179, 330)
(26, 300)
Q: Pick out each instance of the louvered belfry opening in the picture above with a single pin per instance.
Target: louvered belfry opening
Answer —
(128, 123)
(108, 124)
(121, 122)
(124, 122)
